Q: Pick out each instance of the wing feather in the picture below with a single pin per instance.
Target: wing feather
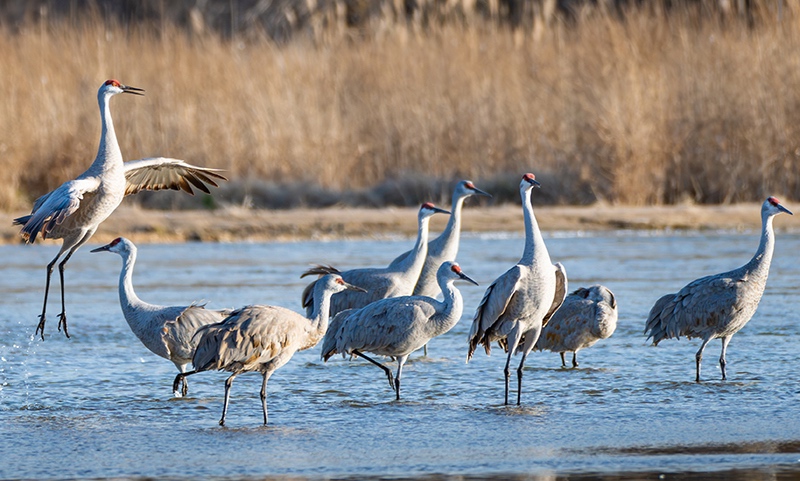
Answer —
(51, 209)
(494, 303)
(157, 173)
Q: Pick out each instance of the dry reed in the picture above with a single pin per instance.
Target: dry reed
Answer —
(647, 109)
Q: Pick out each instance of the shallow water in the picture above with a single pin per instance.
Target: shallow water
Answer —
(100, 405)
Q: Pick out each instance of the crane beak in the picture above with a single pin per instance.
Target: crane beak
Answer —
(101, 249)
(354, 288)
(131, 90)
(441, 211)
(534, 182)
(467, 278)
(784, 209)
(478, 191)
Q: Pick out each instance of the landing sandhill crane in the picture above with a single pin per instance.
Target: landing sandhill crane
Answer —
(168, 331)
(520, 302)
(398, 279)
(586, 316)
(74, 210)
(262, 339)
(444, 247)
(717, 306)
(397, 326)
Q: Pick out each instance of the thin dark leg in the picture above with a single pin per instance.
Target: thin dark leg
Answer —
(40, 327)
(507, 374)
(722, 361)
(575, 359)
(62, 318)
(184, 387)
(228, 383)
(264, 396)
(563, 362)
(385, 369)
(401, 360)
(699, 358)
(181, 379)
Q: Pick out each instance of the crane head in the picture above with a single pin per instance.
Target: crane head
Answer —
(466, 188)
(773, 206)
(529, 181)
(118, 245)
(428, 209)
(453, 271)
(114, 87)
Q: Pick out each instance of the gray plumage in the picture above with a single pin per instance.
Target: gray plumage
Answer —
(167, 331)
(398, 279)
(73, 211)
(717, 306)
(445, 246)
(586, 316)
(262, 339)
(397, 326)
(521, 301)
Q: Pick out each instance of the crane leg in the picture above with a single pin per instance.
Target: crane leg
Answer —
(530, 340)
(401, 360)
(722, 361)
(425, 350)
(385, 369)
(50, 266)
(264, 395)
(699, 358)
(228, 383)
(574, 359)
(563, 362)
(515, 335)
(62, 318)
(180, 380)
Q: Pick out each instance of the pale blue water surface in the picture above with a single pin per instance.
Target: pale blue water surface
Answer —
(100, 405)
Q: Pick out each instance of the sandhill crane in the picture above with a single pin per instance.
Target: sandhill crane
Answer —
(522, 300)
(586, 316)
(262, 339)
(717, 306)
(73, 211)
(398, 279)
(397, 326)
(445, 246)
(168, 331)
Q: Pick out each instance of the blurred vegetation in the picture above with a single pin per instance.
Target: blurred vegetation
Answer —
(322, 102)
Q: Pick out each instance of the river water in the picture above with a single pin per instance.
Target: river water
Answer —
(100, 405)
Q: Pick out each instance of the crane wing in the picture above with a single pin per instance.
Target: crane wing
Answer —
(561, 291)
(492, 306)
(574, 314)
(157, 173)
(330, 341)
(179, 333)
(385, 326)
(54, 207)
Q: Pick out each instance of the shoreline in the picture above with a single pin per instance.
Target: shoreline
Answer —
(234, 224)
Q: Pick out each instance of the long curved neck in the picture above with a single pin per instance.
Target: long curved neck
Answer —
(534, 243)
(763, 256)
(413, 262)
(127, 297)
(452, 230)
(453, 307)
(109, 155)
(321, 313)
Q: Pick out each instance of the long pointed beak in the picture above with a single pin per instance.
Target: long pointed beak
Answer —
(467, 278)
(354, 288)
(102, 248)
(480, 192)
(534, 182)
(441, 211)
(784, 209)
(131, 90)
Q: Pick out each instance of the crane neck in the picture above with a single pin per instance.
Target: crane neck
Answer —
(127, 297)
(452, 230)
(534, 243)
(412, 264)
(322, 308)
(763, 256)
(452, 307)
(109, 156)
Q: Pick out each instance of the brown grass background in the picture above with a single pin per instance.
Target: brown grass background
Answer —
(645, 107)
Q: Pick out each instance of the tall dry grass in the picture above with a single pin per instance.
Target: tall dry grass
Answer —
(649, 108)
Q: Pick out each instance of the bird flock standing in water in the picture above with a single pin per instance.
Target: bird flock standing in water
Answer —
(390, 311)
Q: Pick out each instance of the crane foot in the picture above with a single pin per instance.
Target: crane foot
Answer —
(40, 327)
(62, 321)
